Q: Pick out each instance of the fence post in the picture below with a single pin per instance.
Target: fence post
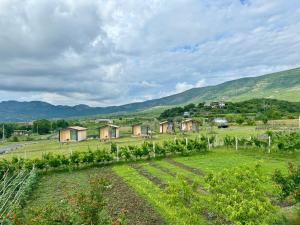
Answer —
(174, 139)
(269, 144)
(236, 143)
(154, 148)
(208, 143)
(117, 153)
(186, 142)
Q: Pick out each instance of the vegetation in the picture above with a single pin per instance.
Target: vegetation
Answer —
(290, 183)
(81, 207)
(266, 109)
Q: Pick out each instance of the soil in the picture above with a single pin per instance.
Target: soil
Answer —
(185, 167)
(122, 197)
(149, 176)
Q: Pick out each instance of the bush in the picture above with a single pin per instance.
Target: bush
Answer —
(239, 196)
(289, 184)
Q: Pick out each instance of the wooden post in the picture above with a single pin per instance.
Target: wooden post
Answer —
(208, 141)
(236, 143)
(154, 148)
(269, 144)
(117, 153)
(186, 142)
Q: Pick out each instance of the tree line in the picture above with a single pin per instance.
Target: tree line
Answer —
(262, 108)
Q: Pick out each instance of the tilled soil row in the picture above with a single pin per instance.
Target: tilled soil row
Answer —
(122, 197)
(168, 171)
(149, 176)
(185, 167)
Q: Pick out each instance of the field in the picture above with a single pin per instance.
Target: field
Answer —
(39, 148)
(139, 187)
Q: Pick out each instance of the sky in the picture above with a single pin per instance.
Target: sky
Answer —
(112, 52)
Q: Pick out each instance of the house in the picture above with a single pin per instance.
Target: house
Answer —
(166, 127)
(139, 130)
(186, 114)
(189, 125)
(104, 121)
(109, 131)
(74, 133)
(21, 132)
(219, 104)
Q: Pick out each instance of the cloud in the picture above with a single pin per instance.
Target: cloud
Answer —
(102, 52)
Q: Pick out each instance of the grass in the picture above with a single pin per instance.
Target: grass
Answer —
(54, 187)
(41, 147)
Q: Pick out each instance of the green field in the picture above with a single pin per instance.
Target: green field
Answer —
(53, 188)
(39, 148)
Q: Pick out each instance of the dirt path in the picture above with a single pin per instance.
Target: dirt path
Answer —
(185, 167)
(11, 147)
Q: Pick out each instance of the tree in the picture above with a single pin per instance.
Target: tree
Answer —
(42, 126)
(240, 120)
(8, 130)
(61, 124)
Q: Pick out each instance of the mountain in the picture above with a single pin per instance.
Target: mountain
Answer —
(283, 85)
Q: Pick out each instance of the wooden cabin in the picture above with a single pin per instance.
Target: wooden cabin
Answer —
(140, 130)
(189, 125)
(74, 133)
(109, 131)
(166, 127)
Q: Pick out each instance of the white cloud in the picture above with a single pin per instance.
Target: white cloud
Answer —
(112, 52)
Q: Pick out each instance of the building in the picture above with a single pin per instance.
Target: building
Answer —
(166, 127)
(22, 132)
(74, 133)
(104, 121)
(189, 125)
(140, 130)
(109, 131)
(219, 104)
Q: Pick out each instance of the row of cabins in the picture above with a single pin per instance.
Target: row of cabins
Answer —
(109, 131)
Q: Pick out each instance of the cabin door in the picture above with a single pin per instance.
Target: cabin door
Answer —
(113, 132)
(73, 135)
(144, 130)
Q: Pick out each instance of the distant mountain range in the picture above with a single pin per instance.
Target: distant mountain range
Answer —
(283, 85)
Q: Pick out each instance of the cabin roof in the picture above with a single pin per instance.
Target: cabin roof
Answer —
(187, 120)
(163, 122)
(108, 125)
(77, 128)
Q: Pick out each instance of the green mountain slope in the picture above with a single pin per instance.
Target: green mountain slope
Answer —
(283, 85)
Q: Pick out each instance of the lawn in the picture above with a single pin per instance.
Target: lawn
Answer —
(139, 186)
(41, 147)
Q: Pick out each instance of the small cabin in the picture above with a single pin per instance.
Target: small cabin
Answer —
(74, 133)
(166, 127)
(140, 130)
(189, 125)
(109, 131)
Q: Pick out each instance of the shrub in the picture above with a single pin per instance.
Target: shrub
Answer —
(289, 184)
(239, 196)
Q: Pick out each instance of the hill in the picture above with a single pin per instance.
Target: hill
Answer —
(283, 85)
